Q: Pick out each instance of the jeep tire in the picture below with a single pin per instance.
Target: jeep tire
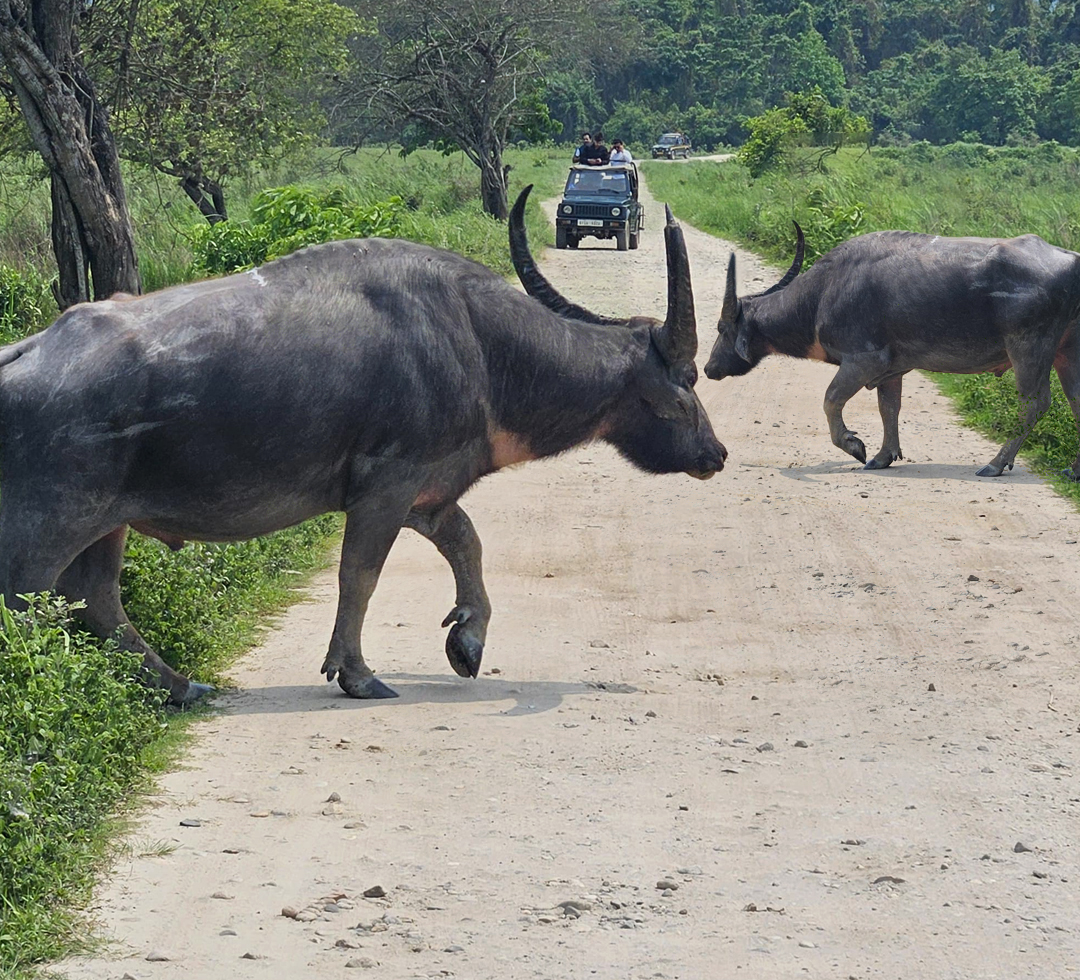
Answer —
(560, 236)
(621, 239)
(634, 236)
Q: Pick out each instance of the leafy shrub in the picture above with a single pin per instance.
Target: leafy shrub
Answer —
(808, 119)
(771, 135)
(190, 604)
(72, 730)
(284, 219)
(26, 303)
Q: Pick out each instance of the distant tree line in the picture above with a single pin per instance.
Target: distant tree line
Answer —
(993, 71)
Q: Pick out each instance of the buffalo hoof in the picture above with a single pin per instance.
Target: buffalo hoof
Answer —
(464, 649)
(993, 469)
(878, 464)
(854, 446)
(1071, 476)
(194, 692)
(368, 688)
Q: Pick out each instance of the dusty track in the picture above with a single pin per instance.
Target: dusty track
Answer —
(722, 684)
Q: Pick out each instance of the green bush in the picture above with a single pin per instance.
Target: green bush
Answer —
(72, 730)
(284, 219)
(26, 303)
(190, 604)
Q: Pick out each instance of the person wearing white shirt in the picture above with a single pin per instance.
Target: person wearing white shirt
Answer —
(619, 154)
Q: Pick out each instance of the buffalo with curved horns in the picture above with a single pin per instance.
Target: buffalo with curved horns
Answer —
(376, 377)
(886, 303)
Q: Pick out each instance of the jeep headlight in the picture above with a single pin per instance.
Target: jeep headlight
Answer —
(567, 209)
(615, 212)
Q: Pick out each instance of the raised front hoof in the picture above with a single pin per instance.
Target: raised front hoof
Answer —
(368, 688)
(1071, 475)
(993, 469)
(464, 651)
(854, 446)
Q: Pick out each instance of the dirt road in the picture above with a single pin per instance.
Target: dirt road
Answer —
(835, 710)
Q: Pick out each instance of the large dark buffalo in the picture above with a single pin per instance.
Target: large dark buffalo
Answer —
(883, 304)
(380, 378)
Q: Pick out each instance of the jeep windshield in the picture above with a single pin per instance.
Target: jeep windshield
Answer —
(583, 182)
(668, 139)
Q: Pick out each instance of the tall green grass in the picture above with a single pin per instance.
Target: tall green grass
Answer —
(441, 194)
(962, 189)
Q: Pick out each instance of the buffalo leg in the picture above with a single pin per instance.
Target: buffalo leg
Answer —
(94, 578)
(849, 379)
(1033, 386)
(1069, 374)
(888, 403)
(451, 531)
(371, 527)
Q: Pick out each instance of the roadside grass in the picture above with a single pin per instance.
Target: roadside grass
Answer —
(79, 741)
(441, 193)
(963, 189)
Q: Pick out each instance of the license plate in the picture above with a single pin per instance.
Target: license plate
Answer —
(591, 222)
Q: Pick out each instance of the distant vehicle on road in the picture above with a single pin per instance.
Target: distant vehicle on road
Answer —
(601, 202)
(671, 145)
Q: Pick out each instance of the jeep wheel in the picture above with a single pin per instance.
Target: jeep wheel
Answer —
(620, 239)
(634, 236)
(572, 241)
(560, 237)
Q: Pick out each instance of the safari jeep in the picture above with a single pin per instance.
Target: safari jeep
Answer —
(601, 202)
(671, 145)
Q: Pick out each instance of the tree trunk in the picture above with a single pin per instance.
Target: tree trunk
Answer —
(91, 227)
(212, 208)
(493, 184)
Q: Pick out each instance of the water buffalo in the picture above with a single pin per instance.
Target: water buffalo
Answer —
(883, 304)
(376, 377)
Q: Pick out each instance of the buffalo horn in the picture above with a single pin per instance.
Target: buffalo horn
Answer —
(535, 284)
(800, 247)
(679, 333)
(730, 311)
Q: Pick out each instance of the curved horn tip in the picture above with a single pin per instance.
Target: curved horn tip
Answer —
(519, 204)
(670, 216)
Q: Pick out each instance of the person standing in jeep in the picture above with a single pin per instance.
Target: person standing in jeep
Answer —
(619, 153)
(600, 153)
(582, 153)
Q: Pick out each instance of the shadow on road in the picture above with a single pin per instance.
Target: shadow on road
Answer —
(961, 472)
(530, 697)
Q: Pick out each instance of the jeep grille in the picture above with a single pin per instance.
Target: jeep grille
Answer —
(592, 210)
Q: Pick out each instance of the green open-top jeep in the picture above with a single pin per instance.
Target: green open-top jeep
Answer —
(602, 202)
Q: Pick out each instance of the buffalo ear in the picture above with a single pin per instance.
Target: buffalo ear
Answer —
(742, 341)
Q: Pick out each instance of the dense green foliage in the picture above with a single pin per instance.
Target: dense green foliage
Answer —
(72, 729)
(941, 70)
(962, 189)
(25, 302)
(807, 120)
(329, 196)
(284, 219)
